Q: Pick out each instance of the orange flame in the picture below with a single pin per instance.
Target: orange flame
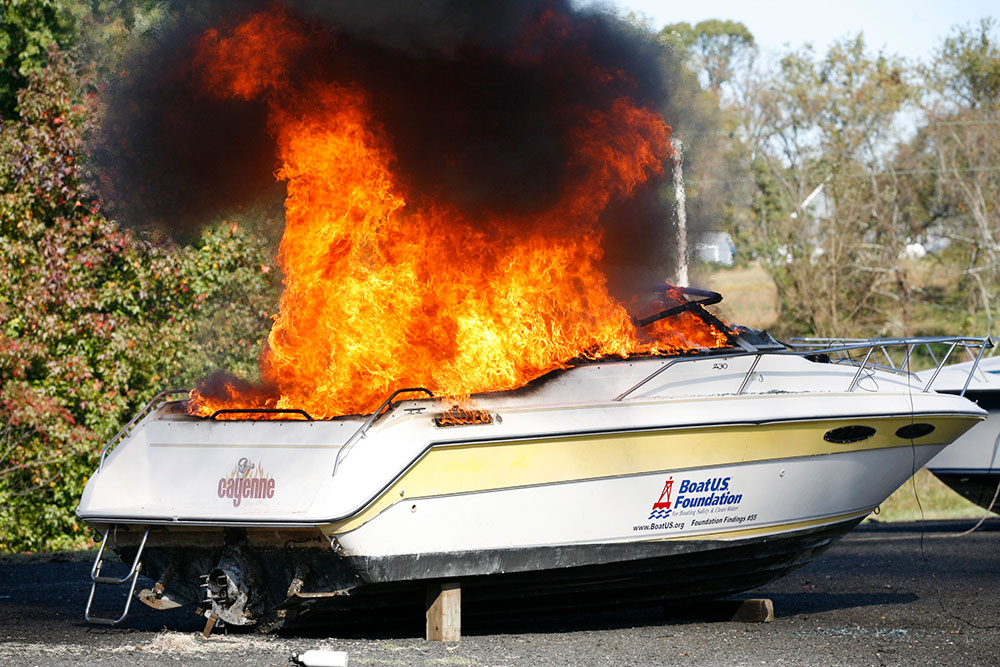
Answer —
(386, 290)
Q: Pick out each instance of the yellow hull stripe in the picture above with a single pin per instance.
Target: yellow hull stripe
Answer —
(472, 467)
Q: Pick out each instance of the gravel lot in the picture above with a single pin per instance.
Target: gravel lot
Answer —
(887, 594)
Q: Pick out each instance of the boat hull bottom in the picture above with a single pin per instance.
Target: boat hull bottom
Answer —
(668, 572)
(294, 583)
(977, 487)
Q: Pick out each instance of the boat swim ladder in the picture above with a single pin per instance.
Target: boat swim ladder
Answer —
(131, 578)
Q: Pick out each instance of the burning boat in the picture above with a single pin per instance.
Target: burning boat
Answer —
(455, 387)
(670, 478)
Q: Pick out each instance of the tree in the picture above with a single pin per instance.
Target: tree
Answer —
(28, 29)
(955, 160)
(93, 319)
(714, 164)
(826, 212)
(712, 47)
(966, 68)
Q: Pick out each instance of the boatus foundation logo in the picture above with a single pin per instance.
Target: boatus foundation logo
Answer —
(661, 508)
(711, 492)
(247, 480)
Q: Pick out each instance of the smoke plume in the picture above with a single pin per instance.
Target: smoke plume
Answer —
(480, 100)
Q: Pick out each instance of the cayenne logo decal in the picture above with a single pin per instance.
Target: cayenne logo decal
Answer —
(247, 480)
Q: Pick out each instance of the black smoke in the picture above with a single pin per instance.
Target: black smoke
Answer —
(474, 119)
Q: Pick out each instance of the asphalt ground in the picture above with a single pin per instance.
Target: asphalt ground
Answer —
(886, 594)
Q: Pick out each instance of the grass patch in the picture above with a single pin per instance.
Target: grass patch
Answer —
(924, 496)
(749, 295)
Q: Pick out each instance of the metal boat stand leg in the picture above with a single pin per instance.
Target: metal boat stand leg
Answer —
(131, 578)
(444, 611)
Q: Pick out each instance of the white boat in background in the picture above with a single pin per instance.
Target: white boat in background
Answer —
(971, 466)
(660, 478)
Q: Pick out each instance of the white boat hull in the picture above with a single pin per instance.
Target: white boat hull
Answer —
(754, 499)
(971, 466)
(681, 491)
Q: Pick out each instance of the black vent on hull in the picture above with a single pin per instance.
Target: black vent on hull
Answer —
(914, 431)
(845, 434)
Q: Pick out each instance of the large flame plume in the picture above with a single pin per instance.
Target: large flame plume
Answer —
(388, 285)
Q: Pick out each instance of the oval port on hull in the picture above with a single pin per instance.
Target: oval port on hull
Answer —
(847, 434)
(914, 431)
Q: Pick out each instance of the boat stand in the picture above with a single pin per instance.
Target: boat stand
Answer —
(131, 578)
(754, 610)
(210, 621)
(444, 611)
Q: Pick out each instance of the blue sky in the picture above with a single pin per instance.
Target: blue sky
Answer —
(911, 29)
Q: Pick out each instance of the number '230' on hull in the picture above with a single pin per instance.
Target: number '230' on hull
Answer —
(608, 479)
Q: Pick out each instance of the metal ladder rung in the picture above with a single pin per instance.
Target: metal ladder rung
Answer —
(131, 578)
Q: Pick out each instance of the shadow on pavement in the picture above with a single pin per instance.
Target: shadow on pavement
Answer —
(936, 526)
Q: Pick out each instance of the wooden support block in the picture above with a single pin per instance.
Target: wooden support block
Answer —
(760, 610)
(444, 611)
(757, 610)
(209, 624)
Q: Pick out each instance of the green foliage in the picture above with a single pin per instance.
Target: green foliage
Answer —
(954, 190)
(94, 321)
(925, 497)
(712, 47)
(98, 32)
(701, 59)
(28, 30)
(967, 66)
(822, 225)
(839, 196)
(679, 38)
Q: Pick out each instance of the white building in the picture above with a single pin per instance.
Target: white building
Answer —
(716, 247)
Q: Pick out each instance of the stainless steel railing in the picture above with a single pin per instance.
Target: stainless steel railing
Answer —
(360, 433)
(968, 344)
(843, 351)
(152, 405)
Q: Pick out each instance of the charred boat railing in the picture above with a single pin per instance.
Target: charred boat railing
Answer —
(839, 351)
(262, 411)
(152, 405)
(360, 433)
